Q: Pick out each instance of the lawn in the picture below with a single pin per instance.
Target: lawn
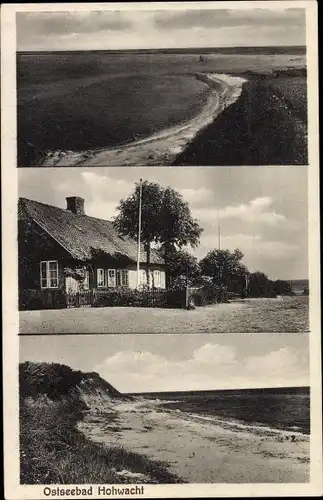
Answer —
(286, 314)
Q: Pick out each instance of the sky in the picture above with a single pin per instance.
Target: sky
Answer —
(262, 210)
(156, 363)
(147, 29)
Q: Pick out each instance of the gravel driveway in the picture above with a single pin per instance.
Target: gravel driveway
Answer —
(287, 314)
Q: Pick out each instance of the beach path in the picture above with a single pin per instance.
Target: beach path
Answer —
(201, 449)
(163, 147)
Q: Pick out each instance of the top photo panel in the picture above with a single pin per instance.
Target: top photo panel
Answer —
(175, 86)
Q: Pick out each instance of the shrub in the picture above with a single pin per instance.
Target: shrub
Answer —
(126, 297)
(33, 299)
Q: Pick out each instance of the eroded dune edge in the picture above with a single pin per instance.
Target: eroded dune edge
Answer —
(163, 147)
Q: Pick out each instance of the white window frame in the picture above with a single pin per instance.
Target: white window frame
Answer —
(100, 278)
(111, 280)
(157, 278)
(118, 277)
(47, 277)
(122, 278)
(125, 277)
(86, 281)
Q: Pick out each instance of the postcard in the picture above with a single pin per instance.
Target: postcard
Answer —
(161, 271)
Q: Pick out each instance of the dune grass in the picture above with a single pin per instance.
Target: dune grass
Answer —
(54, 451)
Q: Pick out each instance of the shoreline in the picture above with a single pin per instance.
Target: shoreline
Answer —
(211, 450)
(163, 147)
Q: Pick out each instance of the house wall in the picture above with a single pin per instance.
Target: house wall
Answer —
(133, 277)
(132, 274)
(34, 246)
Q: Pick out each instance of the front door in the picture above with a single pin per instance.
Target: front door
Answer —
(75, 296)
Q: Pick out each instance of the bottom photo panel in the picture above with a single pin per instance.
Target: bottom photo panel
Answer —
(164, 409)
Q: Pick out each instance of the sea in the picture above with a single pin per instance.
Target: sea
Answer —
(279, 408)
(88, 100)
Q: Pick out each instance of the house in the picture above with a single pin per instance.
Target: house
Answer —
(67, 251)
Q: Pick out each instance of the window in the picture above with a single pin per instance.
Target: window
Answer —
(49, 274)
(111, 278)
(100, 278)
(86, 282)
(122, 277)
(157, 279)
(125, 277)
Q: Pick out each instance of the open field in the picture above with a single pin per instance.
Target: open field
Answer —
(267, 125)
(287, 314)
(292, 90)
(82, 102)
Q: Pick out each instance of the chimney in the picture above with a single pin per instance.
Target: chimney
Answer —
(75, 204)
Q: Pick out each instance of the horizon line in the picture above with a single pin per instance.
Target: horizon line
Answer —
(142, 49)
(217, 390)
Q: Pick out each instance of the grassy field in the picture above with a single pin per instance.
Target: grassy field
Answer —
(292, 90)
(267, 125)
(288, 314)
(91, 100)
(53, 451)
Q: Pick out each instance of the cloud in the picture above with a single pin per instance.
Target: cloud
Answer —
(65, 23)
(222, 18)
(182, 27)
(256, 211)
(266, 248)
(195, 196)
(211, 366)
(214, 353)
(101, 193)
(263, 211)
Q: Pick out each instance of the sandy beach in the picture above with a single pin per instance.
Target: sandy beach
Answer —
(163, 147)
(197, 448)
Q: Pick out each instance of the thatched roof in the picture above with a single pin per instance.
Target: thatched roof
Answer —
(79, 235)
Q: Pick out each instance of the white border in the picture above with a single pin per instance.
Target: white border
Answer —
(13, 490)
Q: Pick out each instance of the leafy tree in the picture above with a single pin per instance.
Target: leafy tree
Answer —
(166, 219)
(283, 287)
(225, 268)
(182, 264)
(260, 285)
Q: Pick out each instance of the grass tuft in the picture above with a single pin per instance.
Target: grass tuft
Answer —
(54, 451)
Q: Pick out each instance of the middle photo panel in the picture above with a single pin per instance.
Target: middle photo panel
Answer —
(163, 250)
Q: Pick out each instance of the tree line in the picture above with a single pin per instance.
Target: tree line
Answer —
(168, 225)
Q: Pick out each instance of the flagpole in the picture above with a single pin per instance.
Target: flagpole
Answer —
(219, 235)
(219, 245)
(139, 233)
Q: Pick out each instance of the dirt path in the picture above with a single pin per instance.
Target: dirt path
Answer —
(289, 314)
(163, 147)
(202, 449)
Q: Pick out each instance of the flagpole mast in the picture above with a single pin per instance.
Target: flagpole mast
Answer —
(139, 233)
(219, 234)
(219, 246)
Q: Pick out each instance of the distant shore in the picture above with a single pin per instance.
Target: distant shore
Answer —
(199, 449)
(161, 148)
